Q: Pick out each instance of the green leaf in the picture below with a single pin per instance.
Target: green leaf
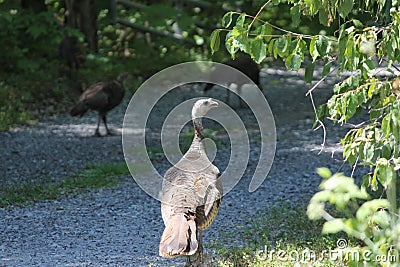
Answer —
(352, 108)
(293, 62)
(368, 68)
(227, 19)
(326, 69)
(351, 157)
(282, 45)
(313, 48)
(395, 124)
(369, 152)
(369, 208)
(315, 210)
(308, 75)
(301, 46)
(240, 20)
(386, 125)
(386, 151)
(230, 44)
(386, 174)
(240, 38)
(266, 30)
(295, 12)
(314, 6)
(350, 54)
(357, 24)
(343, 104)
(323, 17)
(321, 113)
(215, 40)
(342, 46)
(322, 45)
(382, 218)
(271, 47)
(258, 49)
(345, 8)
(333, 226)
(236, 31)
(324, 173)
(374, 183)
(322, 196)
(296, 62)
(371, 90)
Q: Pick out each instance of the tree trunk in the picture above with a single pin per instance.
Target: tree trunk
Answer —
(82, 15)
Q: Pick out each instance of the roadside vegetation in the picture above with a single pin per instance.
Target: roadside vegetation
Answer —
(282, 236)
(94, 177)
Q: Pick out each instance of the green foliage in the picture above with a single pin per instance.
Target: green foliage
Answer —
(19, 27)
(364, 34)
(28, 62)
(363, 218)
(94, 177)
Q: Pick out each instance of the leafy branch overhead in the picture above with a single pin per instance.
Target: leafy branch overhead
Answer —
(359, 41)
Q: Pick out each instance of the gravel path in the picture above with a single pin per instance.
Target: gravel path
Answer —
(121, 226)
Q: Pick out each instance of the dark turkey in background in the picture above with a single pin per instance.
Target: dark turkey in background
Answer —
(245, 65)
(101, 97)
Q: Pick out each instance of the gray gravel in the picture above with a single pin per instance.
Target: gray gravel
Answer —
(121, 226)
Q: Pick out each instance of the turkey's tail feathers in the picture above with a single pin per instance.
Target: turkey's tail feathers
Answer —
(79, 110)
(179, 237)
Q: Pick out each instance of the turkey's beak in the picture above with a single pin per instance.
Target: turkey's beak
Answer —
(213, 104)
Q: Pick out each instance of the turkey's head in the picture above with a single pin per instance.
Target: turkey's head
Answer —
(202, 106)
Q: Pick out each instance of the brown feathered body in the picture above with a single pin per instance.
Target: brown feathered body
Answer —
(191, 196)
(101, 97)
(245, 65)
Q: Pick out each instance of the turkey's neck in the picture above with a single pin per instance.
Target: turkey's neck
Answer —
(198, 127)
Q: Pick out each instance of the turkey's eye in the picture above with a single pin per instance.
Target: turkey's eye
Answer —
(206, 103)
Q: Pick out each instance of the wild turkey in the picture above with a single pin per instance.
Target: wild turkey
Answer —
(191, 195)
(245, 65)
(102, 97)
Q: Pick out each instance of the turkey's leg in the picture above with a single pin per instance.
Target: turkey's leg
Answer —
(241, 104)
(105, 124)
(97, 132)
(196, 260)
(228, 93)
(200, 248)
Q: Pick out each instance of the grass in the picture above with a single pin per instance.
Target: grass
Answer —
(282, 236)
(93, 177)
(155, 153)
